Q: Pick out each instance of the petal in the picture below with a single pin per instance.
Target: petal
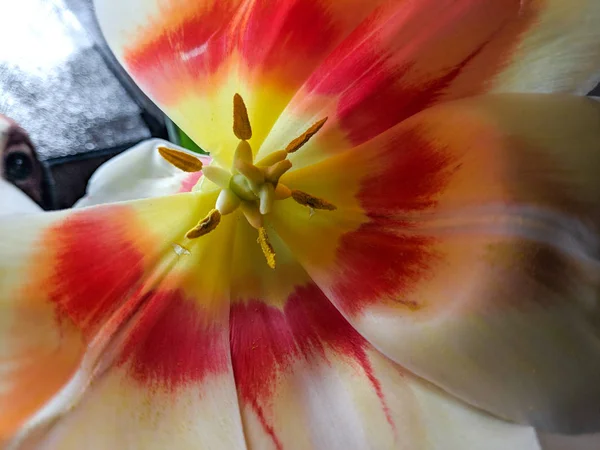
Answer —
(139, 172)
(307, 379)
(14, 201)
(365, 65)
(465, 248)
(559, 54)
(107, 322)
(191, 57)
(412, 55)
(171, 385)
(147, 363)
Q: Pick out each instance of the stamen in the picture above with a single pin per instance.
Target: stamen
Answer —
(266, 198)
(304, 137)
(181, 160)
(272, 158)
(252, 214)
(206, 225)
(252, 187)
(266, 247)
(311, 201)
(243, 152)
(250, 171)
(242, 188)
(227, 202)
(241, 122)
(282, 192)
(217, 175)
(274, 172)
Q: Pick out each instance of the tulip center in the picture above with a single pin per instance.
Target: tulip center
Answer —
(252, 186)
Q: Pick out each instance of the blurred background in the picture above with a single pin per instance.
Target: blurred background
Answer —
(60, 82)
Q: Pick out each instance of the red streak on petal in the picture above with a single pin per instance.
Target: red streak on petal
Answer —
(411, 172)
(317, 323)
(379, 266)
(378, 262)
(394, 64)
(378, 102)
(174, 342)
(94, 265)
(265, 341)
(288, 37)
(189, 182)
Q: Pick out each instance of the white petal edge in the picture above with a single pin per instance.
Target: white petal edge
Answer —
(14, 201)
(139, 172)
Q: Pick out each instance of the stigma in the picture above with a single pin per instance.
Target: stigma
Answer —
(248, 185)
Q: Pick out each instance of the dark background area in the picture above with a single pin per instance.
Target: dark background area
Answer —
(59, 81)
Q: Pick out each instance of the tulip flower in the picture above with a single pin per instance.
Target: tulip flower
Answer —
(393, 244)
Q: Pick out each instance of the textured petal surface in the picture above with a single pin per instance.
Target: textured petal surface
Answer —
(118, 333)
(560, 54)
(465, 248)
(307, 379)
(368, 65)
(139, 172)
(108, 325)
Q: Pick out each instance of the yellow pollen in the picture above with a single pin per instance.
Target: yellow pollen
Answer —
(181, 160)
(206, 225)
(311, 201)
(266, 247)
(304, 137)
(241, 122)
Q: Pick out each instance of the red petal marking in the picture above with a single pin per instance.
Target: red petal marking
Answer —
(175, 342)
(96, 275)
(411, 171)
(94, 264)
(283, 40)
(379, 101)
(288, 37)
(265, 341)
(182, 47)
(377, 262)
(385, 74)
(190, 181)
(379, 266)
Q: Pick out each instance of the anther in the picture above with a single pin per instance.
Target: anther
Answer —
(311, 201)
(266, 247)
(241, 122)
(206, 225)
(181, 160)
(304, 137)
